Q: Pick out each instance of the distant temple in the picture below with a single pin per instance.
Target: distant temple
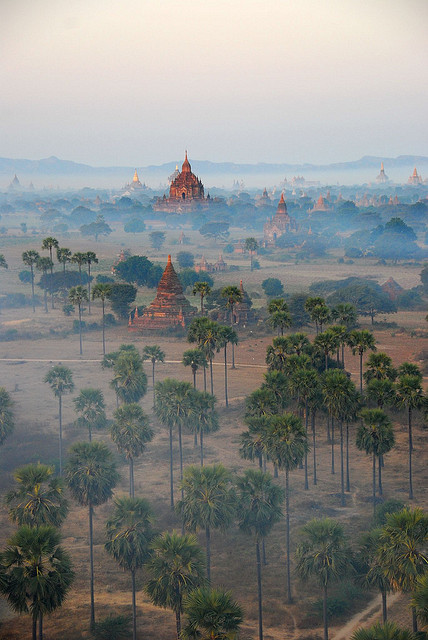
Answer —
(414, 179)
(382, 177)
(320, 205)
(135, 185)
(15, 184)
(207, 267)
(263, 200)
(186, 192)
(392, 289)
(170, 308)
(242, 311)
(279, 224)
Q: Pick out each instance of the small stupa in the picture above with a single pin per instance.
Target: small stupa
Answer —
(382, 177)
(415, 178)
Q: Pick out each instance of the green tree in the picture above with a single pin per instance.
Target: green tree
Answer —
(318, 311)
(157, 239)
(386, 631)
(211, 614)
(3, 262)
(226, 335)
(375, 436)
(90, 406)
(60, 380)
(185, 259)
(35, 573)
(360, 342)
(323, 554)
(63, 255)
(77, 296)
(233, 295)
(129, 379)
(7, 423)
(131, 432)
(196, 333)
(91, 477)
(251, 245)
(203, 289)
(277, 354)
(204, 417)
(345, 313)
(326, 342)
(43, 265)
(176, 568)
(155, 354)
(97, 228)
(30, 258)
(280, 320)
(207, 334)
(129, 535)
(195, 359)
(49, 244)
(102, 292)
(379, 367)
(409, 395)
(91, 258)
(303, 382)
(273, 287)
(122, 295)
(370, 571)
(381, 391)
(260, 502)
(420, 599)
(80, 259)
(208, 502)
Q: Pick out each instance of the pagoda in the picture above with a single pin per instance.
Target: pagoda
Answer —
(170, 308)
(320, 205)
(279, 224)
(382, 177)
(414, 179)
(186, 192)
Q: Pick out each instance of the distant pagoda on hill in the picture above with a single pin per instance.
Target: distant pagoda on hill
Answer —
(186, 192)
(382, 177)
(170, 308)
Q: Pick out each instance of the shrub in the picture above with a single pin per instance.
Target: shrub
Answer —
(112, 628)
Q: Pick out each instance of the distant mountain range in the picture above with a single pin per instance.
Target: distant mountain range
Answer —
(49, 169)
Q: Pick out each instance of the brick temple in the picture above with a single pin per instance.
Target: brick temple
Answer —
(186, 192)
(279, 224)
(170, 308)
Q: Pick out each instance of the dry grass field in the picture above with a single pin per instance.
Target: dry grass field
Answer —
(24, 362)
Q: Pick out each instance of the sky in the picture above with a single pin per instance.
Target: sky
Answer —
(136, 82)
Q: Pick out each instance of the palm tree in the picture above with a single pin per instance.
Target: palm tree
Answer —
(302, 382)
(409, 394)
(351, 415)
(61, 382)
(371, 574)
(204, 290)
(129, 379)
(43, 265)
(280, 320)
(211, 613)
(386, 631)
(327, 343)
(320, 314)
(233, 296)
(103, 292)
(226, 335)
(35, 573)
(409, 369)
(204, 417)
(195, 359)
(251, 245)
(30, 258)
(260, 502)
(323, 554)
(298, 343)
(420, 599)
(176, 568)
(80, 259)
(315, 402)
(38, 498)
(341, 333)
(263, 402)
(91, 477)
(91, 258)
(253, 441)
(63, 255)
(196, 334)
(50, 244)
(3, 262)
(360, 342)
(7, 423)
(205, 333)
(129, 535)
(381, 391)
(131, 432)
(77, 296)
(286, 443)
(345, 313)
(208, 502)
(310, 305)
(154, 354)
(277, 354)
(91, 407)
(174, 408)
(379, 367)
(402, 554)
(376, 436)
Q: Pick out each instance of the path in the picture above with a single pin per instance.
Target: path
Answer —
(22, 360)
(367, 616)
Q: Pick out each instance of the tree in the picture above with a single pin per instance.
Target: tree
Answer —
(38, 498)
(3, 262)
(131, 432)
(207, 334)
(61, 382)
(386, 631)
(185, 259)
(91, 258)
(375, 436)
(215, 230)
(280, 320)
(97, 228)
(310, 304)
(90, 406)
(368, 298)
(157, 239)
(121, 297)
(320, 314)
(176, 568)
(360, 342)
(326, 342)
(136, 269)
(286, 443)
(80, 259)
(63, 255)
(102, 292)
(195, 359)
(345, 313)
(7, 423)
(226, 335)
(43, 265)
(129, 379)
(203, 289)
(135, 225)
(409, 395)
(323, 554)
(277, 354)
(232, 295)
(91, 477)
(273, 287)
(204, 418)
(208, 502)
(196, 333)
(379, 367)
(251, 245)
(50, 244)
(371, 574)
(420, 599)
(35, 572)
(77, 296)
(30, 258)
(211, 613)
(260, 502)
(303, 382)
(129, 535)
(154, 354)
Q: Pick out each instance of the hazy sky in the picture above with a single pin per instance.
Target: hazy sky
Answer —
(135, 82)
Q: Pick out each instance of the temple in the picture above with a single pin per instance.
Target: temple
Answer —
(169, 310)
(382, 177)
(320, 205)
(279, 224)
(186, 192)
(414, 179)
(135, 185)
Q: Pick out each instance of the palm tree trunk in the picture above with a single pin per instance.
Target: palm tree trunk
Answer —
(374, 483)
(348, 480)
(104, 329)
(91, 558)
(80, 329)
(90, 433)
(40, 626)
(178, 623)
(379, 482)
(325, 612)
(342, 471)
(384, 607)
(201, 438)
(414, 621)
(45, 298)
(211, 375)
(60, 432)
(52, 295)
(194, 378)
(208, 542)
(32, 288)
(153, 383)
(264, 552)
(328, 430)
(205, 379)
(332, 446)
(259, 589)
(361, 372)
(326, 360)
(314, 446)
(202, 304)
(89, 288)
(233, 346)
(34, 627)
(343, 355)
(225, 376)
(134, 607)
(287, 533)
(306, 453)
(171, 469)
(131, 477)
(180, 448)
(410, 455)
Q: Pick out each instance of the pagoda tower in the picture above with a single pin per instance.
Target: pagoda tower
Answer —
(382, 177)
(414, 179)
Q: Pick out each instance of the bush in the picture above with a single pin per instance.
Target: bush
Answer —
(25, 276)
(102, 279)
(256, 264)
(273, 287)
(336, 607)
(68, 309)
(134, 226)
(109, 320)
(76, 328)
(382, 510)
(112, 628)
(185, 259)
